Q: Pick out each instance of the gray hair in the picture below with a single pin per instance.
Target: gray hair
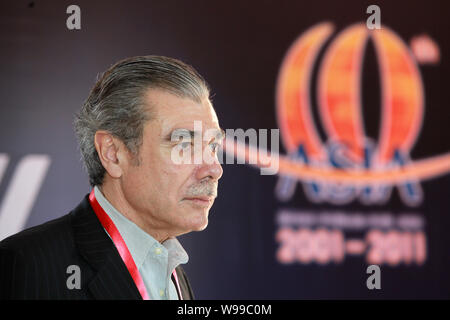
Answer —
(116, 103)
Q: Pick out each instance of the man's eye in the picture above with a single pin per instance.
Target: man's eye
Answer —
(214, 146)
(185, 145)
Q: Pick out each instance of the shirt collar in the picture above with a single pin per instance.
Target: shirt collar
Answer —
(139, 243)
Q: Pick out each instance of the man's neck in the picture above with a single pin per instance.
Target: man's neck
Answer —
(117, 199)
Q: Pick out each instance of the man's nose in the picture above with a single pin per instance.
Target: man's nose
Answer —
(213, 170)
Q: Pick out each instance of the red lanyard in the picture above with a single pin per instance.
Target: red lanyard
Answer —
(121, 246)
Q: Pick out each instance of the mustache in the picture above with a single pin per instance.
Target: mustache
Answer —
(204, 188)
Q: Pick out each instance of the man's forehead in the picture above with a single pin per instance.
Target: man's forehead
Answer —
(173, 112)
(190, 121)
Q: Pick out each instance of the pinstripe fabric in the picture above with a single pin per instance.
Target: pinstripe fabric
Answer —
(33, 263)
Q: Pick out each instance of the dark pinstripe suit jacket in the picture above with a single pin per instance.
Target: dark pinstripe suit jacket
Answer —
(33, 263)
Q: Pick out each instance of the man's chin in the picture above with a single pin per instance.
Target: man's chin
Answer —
(201, 228)
(200, 222)
(194, 218)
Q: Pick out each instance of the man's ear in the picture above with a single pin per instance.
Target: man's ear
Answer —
(108, 149)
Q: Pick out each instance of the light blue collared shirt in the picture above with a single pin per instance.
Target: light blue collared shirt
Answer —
(155, 261)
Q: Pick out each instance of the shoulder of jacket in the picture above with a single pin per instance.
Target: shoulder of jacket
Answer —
(38, 236)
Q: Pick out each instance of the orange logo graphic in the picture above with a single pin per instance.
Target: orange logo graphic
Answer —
(349, 165)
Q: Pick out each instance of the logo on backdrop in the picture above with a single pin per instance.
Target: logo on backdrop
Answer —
(348, 149)
(349, 166)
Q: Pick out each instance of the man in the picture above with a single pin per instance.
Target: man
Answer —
(120, 241)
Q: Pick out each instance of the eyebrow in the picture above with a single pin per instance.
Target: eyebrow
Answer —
(182, 132)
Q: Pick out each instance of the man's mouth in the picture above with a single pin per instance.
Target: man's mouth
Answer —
(200, 200)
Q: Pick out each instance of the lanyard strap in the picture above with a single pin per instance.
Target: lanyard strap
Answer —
(121, 246)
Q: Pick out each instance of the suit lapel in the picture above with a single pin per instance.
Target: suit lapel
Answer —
(186, 290)
(112, 279)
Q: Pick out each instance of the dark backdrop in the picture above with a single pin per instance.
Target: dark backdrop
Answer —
(46, 72)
